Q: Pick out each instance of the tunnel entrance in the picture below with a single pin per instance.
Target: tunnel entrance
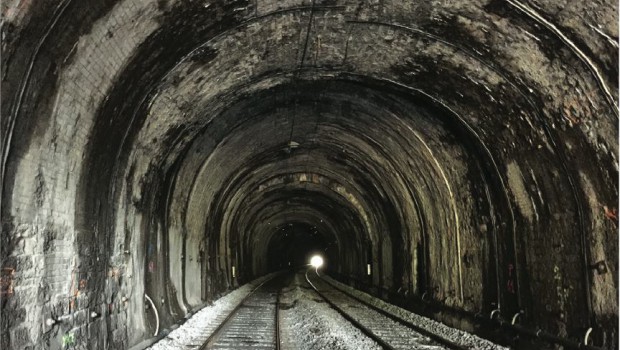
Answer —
(293, 244)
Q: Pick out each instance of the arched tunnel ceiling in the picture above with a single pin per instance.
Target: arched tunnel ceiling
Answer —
(478, 130)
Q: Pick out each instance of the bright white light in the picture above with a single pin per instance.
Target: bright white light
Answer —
(316, 261)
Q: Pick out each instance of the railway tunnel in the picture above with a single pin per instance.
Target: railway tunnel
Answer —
(460, 154)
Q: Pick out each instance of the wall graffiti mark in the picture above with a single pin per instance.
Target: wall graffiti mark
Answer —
(6, 281)
(114, 272)
(68, 339)
(611, 214)
(510, 285)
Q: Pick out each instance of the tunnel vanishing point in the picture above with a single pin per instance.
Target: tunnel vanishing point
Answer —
(459, 154)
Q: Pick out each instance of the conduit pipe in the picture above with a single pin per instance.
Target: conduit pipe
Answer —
(547, 337)
(156, 314)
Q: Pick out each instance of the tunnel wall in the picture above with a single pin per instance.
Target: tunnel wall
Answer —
(122, 125)
(74, 63)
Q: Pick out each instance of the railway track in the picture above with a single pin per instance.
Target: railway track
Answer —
(388, 330)
(253, 324)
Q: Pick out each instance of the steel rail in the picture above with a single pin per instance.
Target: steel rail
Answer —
(436, 337)
(353, 321)
(213, 336)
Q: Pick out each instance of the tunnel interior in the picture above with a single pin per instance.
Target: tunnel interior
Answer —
(462, 152)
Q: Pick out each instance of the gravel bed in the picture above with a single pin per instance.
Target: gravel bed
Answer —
(308, 323)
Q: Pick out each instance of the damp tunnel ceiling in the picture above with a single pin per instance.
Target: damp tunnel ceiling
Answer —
(467, 149)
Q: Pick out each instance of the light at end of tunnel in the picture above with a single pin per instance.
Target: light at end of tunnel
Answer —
(316, 261)
(368, 269)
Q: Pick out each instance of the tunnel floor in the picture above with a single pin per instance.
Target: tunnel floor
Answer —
(302, 310)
